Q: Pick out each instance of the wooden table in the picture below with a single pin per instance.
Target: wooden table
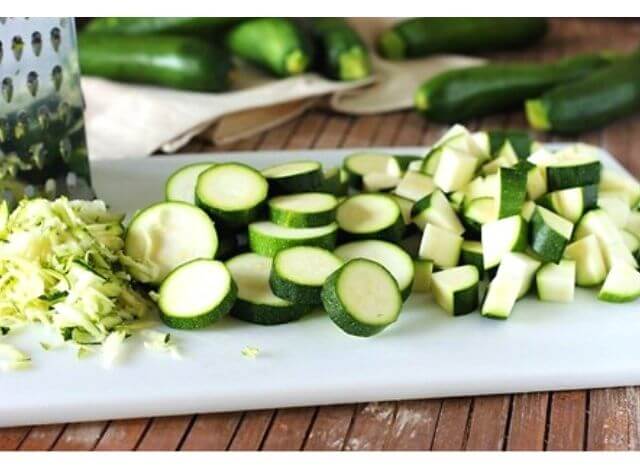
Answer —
(604, 419)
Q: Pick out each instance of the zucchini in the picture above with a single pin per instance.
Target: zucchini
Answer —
(456, 200)
(441, 246)
(506, 157)
(591, 269)
(621, 285)
(633, 223)
(233, 194)
(521, 268)
(478, 212)
(181, 185)
(618, 182)
(455, 170)
(335, 182)
(422, 279)
(467, 93)
(601, 97)
(471, 254)
(456, 289)
(631, 241)
(415, 186)
(435, 209)
(341, 52)
(294, 177)
(396, 260)
(406, 160)
(527, 210)
(549, 234)
(406, 206)
(165, 236)
(512, 191)
(255, 301)
(536, 180)
(266, 238)
(273, 44)
(379, 182)
(555, 282)
(362, 298)
(303, 210)
(575, 172)
(175, 62)
(481, 187)
(163, 25)
(358, 164)
(617, 208)
(520, 141)
(196, 294)
(571, 203)
(297, 274)
(501, 297)
(419, 37)
(370, 216)
(501, 237)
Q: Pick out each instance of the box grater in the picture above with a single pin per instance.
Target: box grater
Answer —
(43, 149)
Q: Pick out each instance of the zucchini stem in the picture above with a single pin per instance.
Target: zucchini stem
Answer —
(392, 45)
(354, 65)
(296, 62)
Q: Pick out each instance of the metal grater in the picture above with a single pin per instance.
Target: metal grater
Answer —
(43, 150)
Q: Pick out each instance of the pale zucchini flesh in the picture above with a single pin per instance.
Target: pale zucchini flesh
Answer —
(456, 289)
(555, 282)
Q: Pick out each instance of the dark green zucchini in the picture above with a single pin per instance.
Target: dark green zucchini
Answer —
(341, 53)
(600, 98)
(520, 141)
(274, 44)
(159, 25)
(171, 61)
(419, 37)
(477, 91)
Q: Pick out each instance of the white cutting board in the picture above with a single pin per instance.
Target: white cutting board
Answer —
(426, 353)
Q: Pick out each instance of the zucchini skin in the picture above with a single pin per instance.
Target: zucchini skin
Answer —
(155, 25)
(419, 37)
(478, 91)
(602, 97)
(274, 44)
(170, 61)
(264, 314)
(341, 54)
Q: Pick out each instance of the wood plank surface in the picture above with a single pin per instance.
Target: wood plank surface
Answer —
(601, 419)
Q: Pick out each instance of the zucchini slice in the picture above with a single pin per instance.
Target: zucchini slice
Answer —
(512, 191)
(358, 164)
(303, 210)
(618, 182)
(556, 281)
(573, 172)
(415, 186)
(255, 301)
(440, 246)
(536, 181)
(501, 237)
(406, 206)
(436, 209)
(362, 298)
(471, 254)
(481, 187)
(621, 285)
(478, 212)
(501, 297)
(506, 158)
(370, 216)
(166, 235)
(456, 289)
(422, 278)
(571, 203)
(196, 294)
(392, 257)
(520, 268)
(294, 177)
(550, 234)
(297, 274)
(455, 170)
(232, 193)
(335, 182)
(266, 238)
(181, 185)
(379, 182)
(617, 208)
(591, 269)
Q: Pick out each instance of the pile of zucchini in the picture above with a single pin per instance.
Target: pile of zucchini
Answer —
(196, 53)
(480, 221)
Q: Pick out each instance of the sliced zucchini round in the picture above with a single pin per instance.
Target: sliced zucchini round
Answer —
(362, 298)
(370, 216)
(232, 193)
(358, 164)
(303, 210)
(266, 238)
(392, 257)
(181, 185)
(436, 209)
(256, 302)
(196, 294)
(166, 235)
(379, 182)
(298, 273)
(294, 177)
(621, 285)
(456, 289)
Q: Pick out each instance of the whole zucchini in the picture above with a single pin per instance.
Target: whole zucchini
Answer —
(160, 25)
(419, 37)
(600, 98)
(274, 44)
(476, 91)
(342, 55)
(170, 61)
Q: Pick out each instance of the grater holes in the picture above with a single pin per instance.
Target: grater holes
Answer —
(17, 46)
(32, 83)
(56, 77)
(56, 38)
(36, 43)
(7, 89)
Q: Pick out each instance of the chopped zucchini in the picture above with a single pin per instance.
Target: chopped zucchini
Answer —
(501, 297)
(617, 209)
(621, 285)
(556, 281)
(571, 203)
(435, 209)
(478, 212)
(379, 182)
(455, 170)
(549, 234)
(456, 289)
(422, 279)
(520, 268)
(471, 254)
(414, 186)
(591, 269)
(501, 237)
(512, 191)
(358, 164)
(440, 246)
(573, 172)
(616, 181)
